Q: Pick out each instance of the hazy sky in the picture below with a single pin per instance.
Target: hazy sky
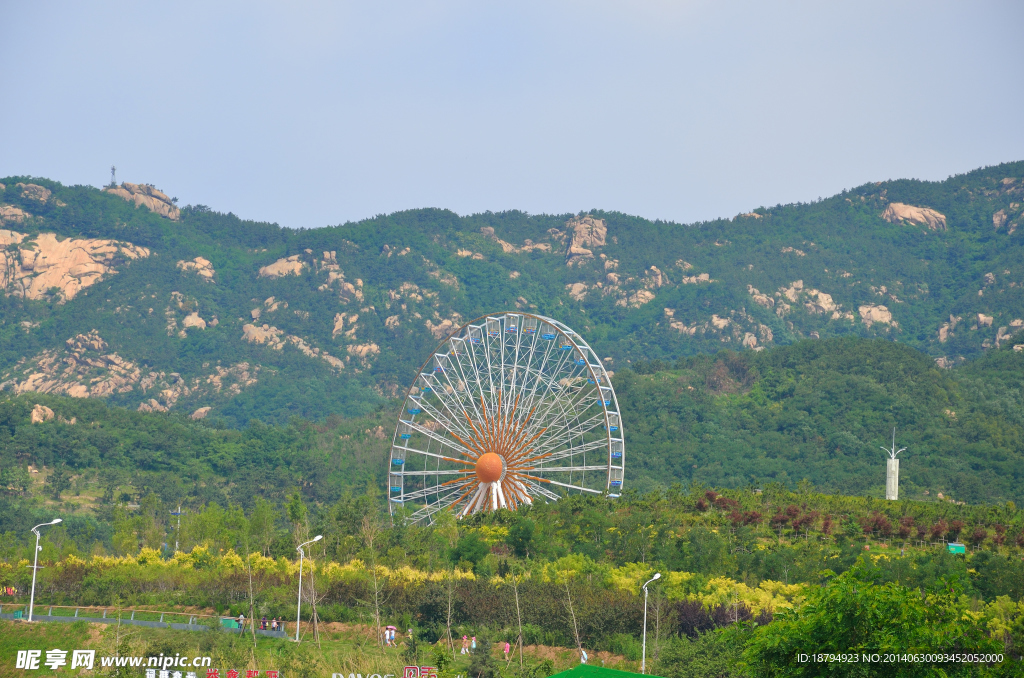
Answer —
(311, 113)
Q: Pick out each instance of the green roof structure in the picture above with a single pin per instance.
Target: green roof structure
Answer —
(590, 671)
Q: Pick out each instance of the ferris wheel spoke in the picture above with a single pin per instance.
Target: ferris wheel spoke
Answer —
(539, 488)
(583, 448)
(450, 419)
(432, 455)
(417, 474)
(564, 469)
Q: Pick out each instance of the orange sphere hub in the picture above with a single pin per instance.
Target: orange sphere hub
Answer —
(489, 467)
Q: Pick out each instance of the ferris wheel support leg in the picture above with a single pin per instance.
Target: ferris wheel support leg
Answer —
(494, 496)
(501, 496)
(472, 502)
(480, 501)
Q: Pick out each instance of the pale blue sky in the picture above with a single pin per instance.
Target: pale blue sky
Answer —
(316, 113)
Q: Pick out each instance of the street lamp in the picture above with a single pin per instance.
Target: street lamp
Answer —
(298, 615)
(35, 564)
(643, 659)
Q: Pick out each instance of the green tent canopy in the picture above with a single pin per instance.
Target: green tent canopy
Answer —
(587, 671)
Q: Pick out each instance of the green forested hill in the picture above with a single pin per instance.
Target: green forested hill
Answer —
(944, 277)
(820, 410)
(815, 410)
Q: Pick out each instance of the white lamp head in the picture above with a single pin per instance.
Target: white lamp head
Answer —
(55, 521)
(657, 575)
(318, 537)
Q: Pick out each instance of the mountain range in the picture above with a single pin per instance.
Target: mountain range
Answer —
(118, 293)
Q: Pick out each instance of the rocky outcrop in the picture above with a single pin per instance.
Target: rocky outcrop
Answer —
(363, 351)
(577, 291)
(201, 413)
(145, 195)
(8, 238)
(999, 219)
(34, 192)
(654, 278)
(86, 369)
(276, 339)
(738, 326)
(81, 370)
(266, 334)
(899, 212)
(292, 265)
(984, 320)
(636, 299)
(445, 327)
(340, 319)
(202, 267)
(335, 278)
(9, 214)
(585, 234)
(152, 405)
(444, 277)
(696, 279)
(760, 299)
(42, 263)
(813, 300)
(193, 320)
(871, 314)
(799, 253)
(507, 247)
(41, 413)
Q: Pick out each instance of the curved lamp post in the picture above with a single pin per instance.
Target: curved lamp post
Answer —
(35, 564)
(298, 614)
(643, 659)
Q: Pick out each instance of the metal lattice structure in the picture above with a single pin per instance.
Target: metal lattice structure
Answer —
(509, 408)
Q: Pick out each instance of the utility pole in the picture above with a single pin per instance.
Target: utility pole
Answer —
(892, 470)
(177, 533)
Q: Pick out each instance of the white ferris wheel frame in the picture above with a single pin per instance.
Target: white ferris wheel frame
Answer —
(431, 458)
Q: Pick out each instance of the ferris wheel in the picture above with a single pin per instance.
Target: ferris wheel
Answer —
(509, 409)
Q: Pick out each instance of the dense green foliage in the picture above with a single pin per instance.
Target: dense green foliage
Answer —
(739, 557)
(854, 614)
(926, 278)
(820, 410)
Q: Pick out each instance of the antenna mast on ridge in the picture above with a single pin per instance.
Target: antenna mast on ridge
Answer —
(113, 175)
(892, 470)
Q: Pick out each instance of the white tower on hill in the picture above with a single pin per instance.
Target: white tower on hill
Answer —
(892, 470)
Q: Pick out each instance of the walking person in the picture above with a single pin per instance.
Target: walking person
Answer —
(507, 648)
(465, 645)
(263, 624)
(241, 623)
(472, 646)
(273, 624)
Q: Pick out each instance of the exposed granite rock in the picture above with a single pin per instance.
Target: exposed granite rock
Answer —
(586, 233)
(201, 266)
(43, 263)
(147, 196)
(41, 413)
(870, 314)
(292, 265)
(34, 192)
(899, 212)
(12, 214)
